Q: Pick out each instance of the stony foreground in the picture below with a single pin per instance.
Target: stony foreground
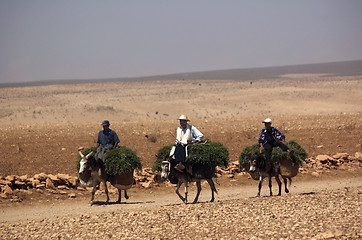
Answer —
(316, 215)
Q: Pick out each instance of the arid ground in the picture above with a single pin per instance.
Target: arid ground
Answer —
(41, 128)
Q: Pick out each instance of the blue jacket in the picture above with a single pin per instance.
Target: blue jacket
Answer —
(276, 134)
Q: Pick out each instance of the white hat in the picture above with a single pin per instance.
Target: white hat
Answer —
(267, 120)
(183, 117)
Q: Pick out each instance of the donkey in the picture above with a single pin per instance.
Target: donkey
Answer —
(264, 169)
(194, 174)
(92, 173)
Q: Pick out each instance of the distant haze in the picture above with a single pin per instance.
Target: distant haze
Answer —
(91, 39)
(347, 68)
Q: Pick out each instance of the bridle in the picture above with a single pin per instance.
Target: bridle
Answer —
(169, 164)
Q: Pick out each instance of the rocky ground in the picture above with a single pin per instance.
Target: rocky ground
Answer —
(320, 214)
(42, 127)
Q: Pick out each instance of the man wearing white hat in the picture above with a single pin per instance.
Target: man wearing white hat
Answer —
(185, 134)
(271, 137)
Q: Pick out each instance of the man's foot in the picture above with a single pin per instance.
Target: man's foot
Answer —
(180, 167)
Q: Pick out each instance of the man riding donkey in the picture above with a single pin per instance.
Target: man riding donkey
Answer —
(107, 139)
(269, 138)
(185, 134)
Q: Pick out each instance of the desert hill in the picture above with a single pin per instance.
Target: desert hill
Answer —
(345, 68)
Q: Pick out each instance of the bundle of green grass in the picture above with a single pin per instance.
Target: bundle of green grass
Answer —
(118, 160)
(299, 154)
(208, 154)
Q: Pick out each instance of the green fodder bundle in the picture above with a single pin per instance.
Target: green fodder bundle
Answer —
(299, 154)
(119, 160)
(160, 156)
(209, 154)
(246, 154)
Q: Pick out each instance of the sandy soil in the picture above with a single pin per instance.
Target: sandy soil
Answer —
(325, 207)
(42, 127)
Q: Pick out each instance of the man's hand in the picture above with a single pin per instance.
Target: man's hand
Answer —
(261, 148)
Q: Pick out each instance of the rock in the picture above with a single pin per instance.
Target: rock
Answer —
(341, 156)
(40, 186)
(5, 182)
(73, 182)
(10, 178)
(49, 184)
(334, 162)
(236, 163)
(41, 177)
(19, 185)
(3, 195)
(358, 155)
(146, 184)
(71, 195)
(323, 158)
(62, 187)
(23, 178)
(320, 146)
(315, 174)
(35, 182)
(7, 190)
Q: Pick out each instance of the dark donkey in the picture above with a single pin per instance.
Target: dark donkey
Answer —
(199, 173)
(259, 165)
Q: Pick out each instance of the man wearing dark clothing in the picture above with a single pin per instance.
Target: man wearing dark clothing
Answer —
(107, 139)
(271, 137)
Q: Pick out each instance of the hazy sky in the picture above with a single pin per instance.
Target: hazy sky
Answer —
(43, 40)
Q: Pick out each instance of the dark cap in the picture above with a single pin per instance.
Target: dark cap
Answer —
(105, 122)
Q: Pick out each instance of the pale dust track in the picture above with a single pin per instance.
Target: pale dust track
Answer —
(143, 200)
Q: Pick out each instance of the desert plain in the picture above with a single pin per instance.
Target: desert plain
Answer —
(41, 128)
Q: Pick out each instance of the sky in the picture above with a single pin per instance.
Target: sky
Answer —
(92, 39)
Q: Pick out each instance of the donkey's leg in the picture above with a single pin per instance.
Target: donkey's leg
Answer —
(270, 185)
(95, 183)
(125, 194)
(286, 183)
(177, 191)
(213, 189)
(186, 191)
(260, 184)
(279, 185)
(119, 196)
(198, 184)
(106, 190)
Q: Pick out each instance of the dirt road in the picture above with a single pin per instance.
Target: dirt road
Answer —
(319, 207)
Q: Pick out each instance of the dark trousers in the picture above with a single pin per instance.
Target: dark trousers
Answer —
(180, 154)
(269, 148)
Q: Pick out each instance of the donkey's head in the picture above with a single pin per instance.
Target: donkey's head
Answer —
(256, 162)
(165, 167)
(84, 162)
